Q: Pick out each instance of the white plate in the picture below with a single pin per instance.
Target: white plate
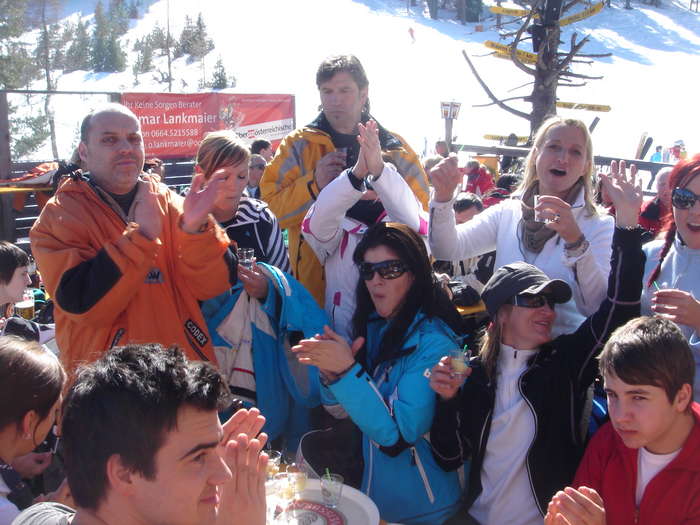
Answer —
(355, 507)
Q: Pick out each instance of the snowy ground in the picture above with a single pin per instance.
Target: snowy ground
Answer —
(274, 46)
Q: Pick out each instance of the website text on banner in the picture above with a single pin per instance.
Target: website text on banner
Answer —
(173, 124)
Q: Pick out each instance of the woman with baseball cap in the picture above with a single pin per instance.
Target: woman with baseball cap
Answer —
(521, 416)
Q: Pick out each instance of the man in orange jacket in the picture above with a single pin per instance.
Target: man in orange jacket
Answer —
(125, 259)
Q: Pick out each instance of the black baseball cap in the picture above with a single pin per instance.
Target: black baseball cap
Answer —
(521, 278)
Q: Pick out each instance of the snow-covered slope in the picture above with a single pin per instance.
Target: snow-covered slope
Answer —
(274, 46)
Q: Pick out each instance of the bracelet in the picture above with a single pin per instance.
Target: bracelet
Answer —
(573, 253)
(573, 245)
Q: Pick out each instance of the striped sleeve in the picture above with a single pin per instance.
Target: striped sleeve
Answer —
(276, 250)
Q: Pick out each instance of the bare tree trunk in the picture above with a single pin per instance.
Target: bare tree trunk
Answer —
(46, 51)
(544, 92)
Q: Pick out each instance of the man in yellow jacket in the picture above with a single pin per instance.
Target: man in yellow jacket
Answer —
(310, 157)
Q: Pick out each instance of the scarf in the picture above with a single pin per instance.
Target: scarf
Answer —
(536, 234)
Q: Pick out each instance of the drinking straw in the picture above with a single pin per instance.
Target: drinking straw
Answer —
(328, 473)
(656, 286)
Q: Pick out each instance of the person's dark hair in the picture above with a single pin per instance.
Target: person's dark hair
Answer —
(681, 175)
(425, 293)
(341, 64)
(125, 403)
(649, 351)
(11, 258)
(31, 378)
(506, 182)
(467, 200)
(258, 145)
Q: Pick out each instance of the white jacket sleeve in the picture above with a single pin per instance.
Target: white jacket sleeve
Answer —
(592, 268)
(452, 242)
(399, 201)
(321, 226)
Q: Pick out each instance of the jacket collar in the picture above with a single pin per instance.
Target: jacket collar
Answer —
(387, 140)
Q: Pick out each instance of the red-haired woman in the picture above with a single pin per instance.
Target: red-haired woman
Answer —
(672, 281)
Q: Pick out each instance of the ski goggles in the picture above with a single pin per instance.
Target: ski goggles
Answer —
(392, 269)
(534, 301)
(683, 198)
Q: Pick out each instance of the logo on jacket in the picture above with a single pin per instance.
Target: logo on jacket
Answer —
(196, 332)
(154, 276)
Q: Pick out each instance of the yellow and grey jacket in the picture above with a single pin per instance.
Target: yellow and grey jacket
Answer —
(289, 187)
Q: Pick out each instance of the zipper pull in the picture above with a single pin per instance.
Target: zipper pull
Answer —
(636, 514)
(413, 456)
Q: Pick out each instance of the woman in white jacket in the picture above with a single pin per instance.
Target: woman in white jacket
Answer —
(570, 240)
(370, 192)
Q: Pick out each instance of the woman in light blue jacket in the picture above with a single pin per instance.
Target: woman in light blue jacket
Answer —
(402, 325)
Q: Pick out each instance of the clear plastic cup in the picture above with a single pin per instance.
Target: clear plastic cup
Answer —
(331, 489)
(245, 256)
(25, 308)
(459, 361)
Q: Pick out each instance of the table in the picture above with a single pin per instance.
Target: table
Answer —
(354, 506)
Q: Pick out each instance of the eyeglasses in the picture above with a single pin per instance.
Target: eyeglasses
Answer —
(392, 269)
(257, 166)
(534, 301)
(683, 198)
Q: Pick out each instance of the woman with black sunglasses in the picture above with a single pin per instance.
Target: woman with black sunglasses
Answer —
(671, 273)
(31, 382)
(520, 418)
(401, 327)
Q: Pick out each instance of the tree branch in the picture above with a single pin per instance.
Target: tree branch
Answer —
(522, 86)
(578, 75)
(591, 55)
(493, 97)
(575, 48)
(525, 97)
(573, 85)
(516, 41)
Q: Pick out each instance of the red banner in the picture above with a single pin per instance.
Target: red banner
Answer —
(174, 124)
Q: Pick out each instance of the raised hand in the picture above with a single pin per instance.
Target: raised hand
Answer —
(243, 496)
(200, 200)
(677, 305)
(244, 421)
(370, 149)
(559, 217)
(625, 192)
(446, 177)
(253, 280)
(329, 352)
(329, 167)
(445, 381)
(576, 507)
(148, 215)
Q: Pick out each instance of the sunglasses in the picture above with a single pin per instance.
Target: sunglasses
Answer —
(683, 198)
(257, 166)
(534, 301)
(392, 269)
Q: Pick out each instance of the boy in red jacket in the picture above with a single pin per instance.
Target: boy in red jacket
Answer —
(644, 466)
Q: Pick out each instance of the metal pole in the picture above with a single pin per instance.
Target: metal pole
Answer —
(167, 37)
(7, 223)
(448, 134)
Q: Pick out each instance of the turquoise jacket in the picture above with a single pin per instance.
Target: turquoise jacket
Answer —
(393, 406)
(285, 389)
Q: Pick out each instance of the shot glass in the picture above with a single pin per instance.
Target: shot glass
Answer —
(273, 462)
(459, 362)
(245, 257)
(539, 216)
(331, 489)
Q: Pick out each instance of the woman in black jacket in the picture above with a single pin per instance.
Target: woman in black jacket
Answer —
(521, 416)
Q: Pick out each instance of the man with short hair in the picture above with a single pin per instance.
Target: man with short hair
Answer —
(643, 466)
(256, 167)
(262, 147)
(310, 157)
(125, 259)
(142, 445)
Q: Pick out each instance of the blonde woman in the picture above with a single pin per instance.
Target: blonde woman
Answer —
(563, 235)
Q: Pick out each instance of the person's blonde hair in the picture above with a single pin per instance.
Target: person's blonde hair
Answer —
(219, 149)
(530, 177)
(490, 345)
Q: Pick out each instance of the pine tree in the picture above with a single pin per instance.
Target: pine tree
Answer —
(220, 80)
(100, 37)
(144, 56)
(78, 56)
(184, 43)
(133, 10)
(118, 17)
(27, 133)
(17, 66)
(201, 44)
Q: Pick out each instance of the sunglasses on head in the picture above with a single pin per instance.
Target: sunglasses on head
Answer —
(257, 166)
(387, 269)
(683, 198)
(534, 301)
